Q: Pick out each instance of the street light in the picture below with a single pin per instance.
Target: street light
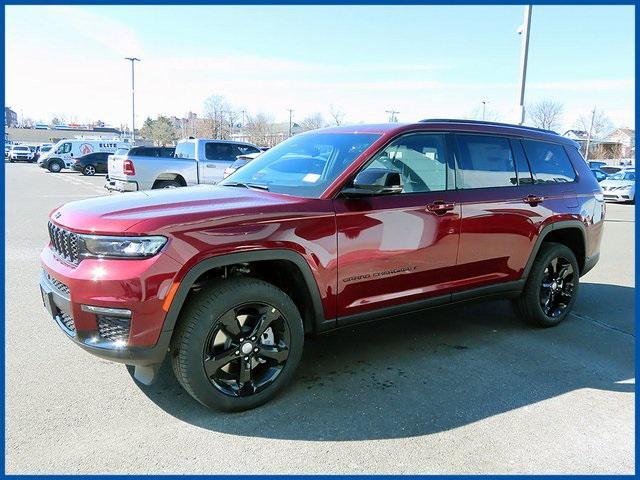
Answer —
(133, 97)
(524, 54)
(484, 108)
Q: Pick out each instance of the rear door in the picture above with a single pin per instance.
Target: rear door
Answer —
(399, 248)
(499, 219)
(217, 156)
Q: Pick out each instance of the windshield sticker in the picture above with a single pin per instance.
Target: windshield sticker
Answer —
(311, 177)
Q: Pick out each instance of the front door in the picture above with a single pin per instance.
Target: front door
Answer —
(398, 248)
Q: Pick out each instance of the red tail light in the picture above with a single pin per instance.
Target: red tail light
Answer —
(128, 168)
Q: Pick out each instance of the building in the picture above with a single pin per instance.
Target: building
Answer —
(621, 142)
(10, 118)
(36, 135)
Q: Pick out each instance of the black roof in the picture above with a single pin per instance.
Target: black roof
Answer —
(482, 122)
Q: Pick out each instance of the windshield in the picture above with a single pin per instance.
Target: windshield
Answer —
(622, 176)
(45, 148)
(21, 149)
(304, 165)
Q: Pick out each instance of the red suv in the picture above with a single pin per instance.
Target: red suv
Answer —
(329, 228)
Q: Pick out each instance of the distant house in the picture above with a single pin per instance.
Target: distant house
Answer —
(10, 118)
(621, 142)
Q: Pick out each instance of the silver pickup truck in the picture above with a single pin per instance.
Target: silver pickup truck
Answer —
(196, 160)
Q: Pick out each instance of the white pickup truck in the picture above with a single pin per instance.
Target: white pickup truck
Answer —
(196, 160)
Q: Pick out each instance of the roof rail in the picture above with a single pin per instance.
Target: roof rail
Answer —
(482, 122)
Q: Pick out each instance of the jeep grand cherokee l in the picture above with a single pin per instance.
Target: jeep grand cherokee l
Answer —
(327, 229)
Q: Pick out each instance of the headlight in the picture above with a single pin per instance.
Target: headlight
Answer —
(120, 247)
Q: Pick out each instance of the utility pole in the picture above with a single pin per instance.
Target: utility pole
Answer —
(133, 97)
(586, 152)
(290, 123)
(392, 115)
(243, 116)
(524, 30)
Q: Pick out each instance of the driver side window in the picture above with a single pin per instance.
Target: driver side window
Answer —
(419, 158)
(64, 148)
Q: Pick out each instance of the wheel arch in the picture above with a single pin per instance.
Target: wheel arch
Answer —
(170, 176)
(571, 233)
(306, 295)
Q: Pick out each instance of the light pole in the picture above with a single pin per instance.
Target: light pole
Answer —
(524, 55)
(586, 150)
(484, 108)
(133, 97)
(290, 123)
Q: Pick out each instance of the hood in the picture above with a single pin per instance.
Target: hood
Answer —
(154, 210)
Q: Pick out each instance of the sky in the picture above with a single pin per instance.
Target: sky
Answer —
(422, 61)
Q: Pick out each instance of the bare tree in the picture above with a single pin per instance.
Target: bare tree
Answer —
(219, 118)
(601, 123)
(258, 129)
(336, 114)
(545, 114)
(312, 122)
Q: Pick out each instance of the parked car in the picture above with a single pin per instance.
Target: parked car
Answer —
(41, 150)
(7, 149)
(330, 228)
(241, 161)
(92, 163)
(20, 152)
(599, 174)
(620, 186)
(64, 153)
(597, 164)
(609, 169)
(194, 161)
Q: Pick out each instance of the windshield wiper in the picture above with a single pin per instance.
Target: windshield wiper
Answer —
(257, 186)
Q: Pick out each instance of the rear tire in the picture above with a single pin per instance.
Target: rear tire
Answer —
(167, 184)
(227, 320)
(89, 170)
(551, 288)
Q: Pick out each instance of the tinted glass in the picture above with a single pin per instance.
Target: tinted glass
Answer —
(419, 158)
(522, 166)
(167, 152)
(304, 165)
(484, 162)
(186, 150)
(224, 152)
(549, 162)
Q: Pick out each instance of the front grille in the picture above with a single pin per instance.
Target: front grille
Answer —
(58, 285)
(113, 329)
(64, 243)
(66, 320)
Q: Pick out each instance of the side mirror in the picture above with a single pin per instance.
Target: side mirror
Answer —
(375, 181)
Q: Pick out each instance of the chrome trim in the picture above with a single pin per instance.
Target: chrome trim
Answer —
(115, 312)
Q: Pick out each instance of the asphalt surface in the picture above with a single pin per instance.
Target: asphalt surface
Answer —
(464, 390)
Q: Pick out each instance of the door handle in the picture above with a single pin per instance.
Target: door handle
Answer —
(439, 207)
(533, 200)
(211, 165)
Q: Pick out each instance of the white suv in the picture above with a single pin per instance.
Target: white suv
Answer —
(20, 152)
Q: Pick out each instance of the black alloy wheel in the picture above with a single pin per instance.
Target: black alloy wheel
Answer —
(247, 349)
(556, 290)
(89, 170)
(551, 288)
(237, 343)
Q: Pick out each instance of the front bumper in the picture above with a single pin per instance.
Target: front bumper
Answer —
(618, 196)
(139, 286)
(114, 185)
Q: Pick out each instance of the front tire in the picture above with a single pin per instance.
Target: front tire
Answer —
(237, 344)
(89, 170)
(166, 184)
(55, 166)
(552, 286)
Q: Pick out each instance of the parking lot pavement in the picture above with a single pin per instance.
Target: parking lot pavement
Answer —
(465, 390)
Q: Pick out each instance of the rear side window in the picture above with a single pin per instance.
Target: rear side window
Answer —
(485, 162)
(186, 150)
(247, 149)
(549, 162)
(224, 152)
